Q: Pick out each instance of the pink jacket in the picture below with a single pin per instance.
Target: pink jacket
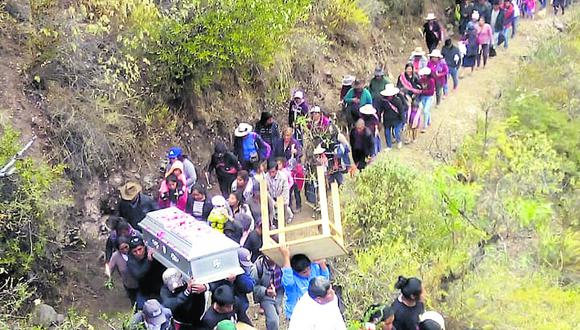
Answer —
(485, 35)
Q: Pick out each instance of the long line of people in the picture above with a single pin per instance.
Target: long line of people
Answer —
(285, 157)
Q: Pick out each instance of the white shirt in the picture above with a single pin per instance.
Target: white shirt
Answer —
(310, 315)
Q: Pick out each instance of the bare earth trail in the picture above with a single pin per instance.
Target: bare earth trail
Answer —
(457, 115)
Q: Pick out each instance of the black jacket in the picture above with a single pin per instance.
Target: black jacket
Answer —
(207, 207)
(451, 54)
(367, 142)
(269, 133)
(498, 21)
(391, 116)
(185, 308)
(148, 274)
(135, 213)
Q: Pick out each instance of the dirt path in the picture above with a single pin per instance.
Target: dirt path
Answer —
(458, 114)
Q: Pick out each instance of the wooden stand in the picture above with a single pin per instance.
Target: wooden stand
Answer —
(325, 241)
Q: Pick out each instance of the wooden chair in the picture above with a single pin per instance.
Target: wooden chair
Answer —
(321, 239)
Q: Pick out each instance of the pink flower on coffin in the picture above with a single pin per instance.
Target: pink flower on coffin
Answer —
(160, 234)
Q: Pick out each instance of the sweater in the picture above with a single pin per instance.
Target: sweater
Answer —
(376, 86)
(452, 56)
(365, 98)
(439, 71)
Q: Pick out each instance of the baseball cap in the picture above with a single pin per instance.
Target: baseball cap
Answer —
(225, 325)
(244, 256)
(153, 312)
(172, 278)
(174, 152)
(135, 242)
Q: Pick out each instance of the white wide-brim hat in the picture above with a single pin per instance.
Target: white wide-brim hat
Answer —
(348, 80)
(319, 150)
(390, 90)
(434, 316)
(368, 109)
(298, 95)
(436, 53)
(430, 17)
(243, 129)
(425, 71)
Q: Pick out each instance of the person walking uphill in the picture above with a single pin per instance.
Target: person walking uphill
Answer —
(226, 166)
(145, 269)
(296, 275)
(409, 305)
(432, 31)
(439, 70)
(134, 204)
(427, 92)
(484, 40)
(378, 83)
(268, 129)
(452, 57)
(249, 147)
(356, 97)
(392, 110)
(318, 309)
(362, 143)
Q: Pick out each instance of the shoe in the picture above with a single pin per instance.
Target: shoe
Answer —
(399, 145)
(289, 220)
(387, 149)
(298, 210)
(423, 130)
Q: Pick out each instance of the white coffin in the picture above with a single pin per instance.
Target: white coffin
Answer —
(191, 246)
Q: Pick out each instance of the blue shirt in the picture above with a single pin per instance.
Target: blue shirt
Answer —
(296, 286)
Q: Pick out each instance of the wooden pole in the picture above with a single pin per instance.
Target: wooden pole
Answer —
(264, 207)
(336, 208)
(281, 221)
(323, 200)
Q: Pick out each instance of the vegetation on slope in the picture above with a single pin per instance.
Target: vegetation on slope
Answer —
(494, 236)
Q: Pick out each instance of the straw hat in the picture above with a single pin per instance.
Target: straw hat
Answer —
(367, 109)
(418, 52)
(130, 190)
(425, 71)
(298, 95)
(436, 53)
(243, 129)
(430, 17)
(390, 90)
(319, 150)
(348, 80)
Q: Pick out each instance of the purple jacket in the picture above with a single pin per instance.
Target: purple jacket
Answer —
(439, 71)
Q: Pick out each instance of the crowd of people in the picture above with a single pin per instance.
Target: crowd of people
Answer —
(299, 289)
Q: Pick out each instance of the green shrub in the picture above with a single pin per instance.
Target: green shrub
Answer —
(30, 204)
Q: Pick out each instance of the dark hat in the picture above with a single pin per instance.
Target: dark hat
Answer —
(224, 295)
(135, 242)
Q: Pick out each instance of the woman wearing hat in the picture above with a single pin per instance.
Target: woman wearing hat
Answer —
(297, 108)
(432, 31)
(392, 110)
(378, 82)
(439, 70)
(427, 92)
(249, 147)
(418, 59)
(369, 115)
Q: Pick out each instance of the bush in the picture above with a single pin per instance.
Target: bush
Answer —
(30, 205)
(341, 20)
